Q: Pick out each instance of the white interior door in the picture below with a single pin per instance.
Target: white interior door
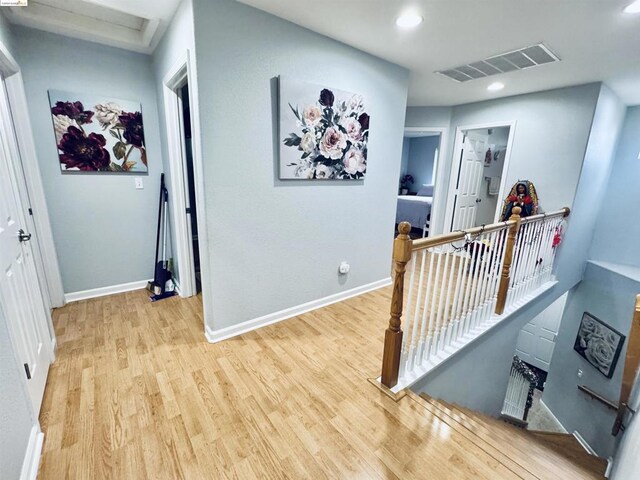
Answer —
(467, 192)
(537, 339)
(19, 288)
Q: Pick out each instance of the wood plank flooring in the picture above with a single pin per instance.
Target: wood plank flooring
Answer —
(137, 392)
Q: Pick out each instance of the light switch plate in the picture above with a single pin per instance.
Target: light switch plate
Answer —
(139, 184)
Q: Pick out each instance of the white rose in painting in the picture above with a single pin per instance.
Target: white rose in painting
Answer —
(312, 115)
(353, 129)
(332, 144)
(60, 124)
(354, 161)
(308, 142)
(356, 103)
(108, 114)
(600, 353)
(305, 171)
(324, 172)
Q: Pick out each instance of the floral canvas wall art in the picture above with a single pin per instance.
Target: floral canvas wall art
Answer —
(98, 134)
(599, 344)
(323, 132)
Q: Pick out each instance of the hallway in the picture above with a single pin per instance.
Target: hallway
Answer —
(137, 392)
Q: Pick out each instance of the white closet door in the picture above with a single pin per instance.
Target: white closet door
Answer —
(469, 182)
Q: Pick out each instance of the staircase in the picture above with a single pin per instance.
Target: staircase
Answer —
(528, 454)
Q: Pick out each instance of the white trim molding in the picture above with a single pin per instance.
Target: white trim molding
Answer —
(584, 443)
(32, 455)
(103, 291)
(214, 336)
(553, 416)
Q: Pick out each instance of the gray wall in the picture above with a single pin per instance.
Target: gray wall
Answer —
(428, 116)
(610, 297)
(404, 163)
(617, 229)
(420, 165)
(485, 365)
(177, 40)
(276, 244)
(103, 228)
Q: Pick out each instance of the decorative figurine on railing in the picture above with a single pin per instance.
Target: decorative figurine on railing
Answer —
(523, 195)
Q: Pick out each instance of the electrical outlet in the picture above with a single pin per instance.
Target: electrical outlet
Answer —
(580, 373)
(344, 268)
(139, 184)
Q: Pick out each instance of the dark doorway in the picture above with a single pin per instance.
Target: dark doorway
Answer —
(191, 206)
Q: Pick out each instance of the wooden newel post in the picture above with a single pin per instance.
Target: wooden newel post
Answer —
(402, 247)
(508, 258)
(631, 364)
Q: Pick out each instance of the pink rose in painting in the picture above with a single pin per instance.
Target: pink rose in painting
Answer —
(353, 129)
(333, 143)
(354, 161)
(312, 115)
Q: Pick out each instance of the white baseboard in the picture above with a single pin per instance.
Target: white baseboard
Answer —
(584, 443)
(32, 455)
(102, 291)
(214, 336)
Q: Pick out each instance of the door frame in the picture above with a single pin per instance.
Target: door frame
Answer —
(179, 74)
(44, 250)
(455, 167)
(437, 168)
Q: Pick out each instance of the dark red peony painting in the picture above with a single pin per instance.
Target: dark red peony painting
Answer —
(98, 134)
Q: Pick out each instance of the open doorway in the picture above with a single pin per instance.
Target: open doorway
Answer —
(421, 151)
(189, 175)
(481, 157)
(180, 106)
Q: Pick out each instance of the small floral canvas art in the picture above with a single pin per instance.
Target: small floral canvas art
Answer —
(323, 133)
(98, 134)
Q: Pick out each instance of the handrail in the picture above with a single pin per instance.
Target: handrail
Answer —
(598, 397)
(563, 212)
(453, 295)
(445, 238)
(632, 361)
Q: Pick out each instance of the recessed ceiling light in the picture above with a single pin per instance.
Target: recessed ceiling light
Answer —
(495, 86)
(409, 20)
(633, 7)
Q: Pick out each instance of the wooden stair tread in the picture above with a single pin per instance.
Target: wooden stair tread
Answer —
(535, 455)
(571, 447)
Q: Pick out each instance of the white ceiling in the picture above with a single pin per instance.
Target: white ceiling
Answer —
(593, 38)
(134, 25)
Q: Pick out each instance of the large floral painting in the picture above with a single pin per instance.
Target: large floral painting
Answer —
(98, 134)
(323, 132)
(599, 344)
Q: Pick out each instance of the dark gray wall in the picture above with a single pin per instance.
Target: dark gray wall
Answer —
(103, 228)
(283, 241)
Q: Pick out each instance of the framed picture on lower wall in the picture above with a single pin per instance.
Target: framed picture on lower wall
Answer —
(599, 344)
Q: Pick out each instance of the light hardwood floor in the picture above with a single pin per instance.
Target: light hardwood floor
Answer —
(136, 392)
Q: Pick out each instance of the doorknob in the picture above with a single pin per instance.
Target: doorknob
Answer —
(478, 200)
(23, 236)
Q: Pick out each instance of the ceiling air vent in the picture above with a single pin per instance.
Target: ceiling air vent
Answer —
(507, 62)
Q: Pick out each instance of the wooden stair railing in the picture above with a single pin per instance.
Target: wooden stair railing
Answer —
(631, 364)
(520, 389)
(509, 252)
(393, 334)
